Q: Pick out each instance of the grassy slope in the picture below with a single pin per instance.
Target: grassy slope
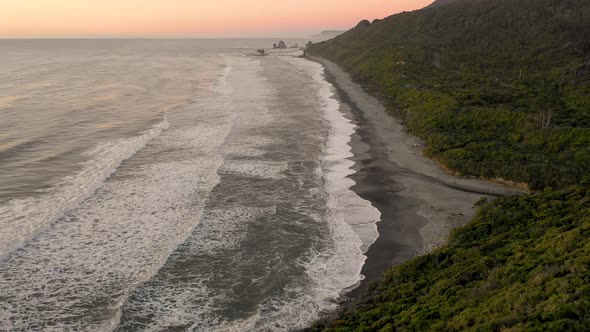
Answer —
(505, 67)
(522, 264)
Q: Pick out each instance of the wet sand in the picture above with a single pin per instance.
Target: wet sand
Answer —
(420, 203)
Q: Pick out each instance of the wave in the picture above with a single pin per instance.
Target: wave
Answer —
(340, 269)
(24, 218)
(353, 220)
(90, 261)
(336, 269)
(111, 248)
(345, 205)
(221, 86)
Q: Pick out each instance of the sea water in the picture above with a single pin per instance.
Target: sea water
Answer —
(172, 184)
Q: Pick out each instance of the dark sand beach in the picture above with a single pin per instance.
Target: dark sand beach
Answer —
(419, 202)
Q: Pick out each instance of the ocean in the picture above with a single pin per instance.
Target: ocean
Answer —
(173, 185)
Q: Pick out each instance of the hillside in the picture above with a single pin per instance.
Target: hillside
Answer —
(522, 264)
(497, 88)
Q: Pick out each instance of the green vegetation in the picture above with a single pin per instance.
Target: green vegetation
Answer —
(497, 89)
(523, 263)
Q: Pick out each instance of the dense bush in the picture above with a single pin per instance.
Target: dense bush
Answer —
(523, 263)
(511, 97)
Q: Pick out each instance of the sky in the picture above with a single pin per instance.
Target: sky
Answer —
(189, 18)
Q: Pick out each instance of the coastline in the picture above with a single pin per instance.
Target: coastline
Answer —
(419, 202)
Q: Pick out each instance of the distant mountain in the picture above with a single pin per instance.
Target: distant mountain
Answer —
(327, 34)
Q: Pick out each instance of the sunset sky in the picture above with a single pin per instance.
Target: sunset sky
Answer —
(189, 18)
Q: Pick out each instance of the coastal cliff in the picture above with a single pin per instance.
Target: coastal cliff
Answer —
(498, 90)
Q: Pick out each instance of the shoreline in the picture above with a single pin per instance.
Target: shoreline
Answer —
(406, 150)
(419, 202)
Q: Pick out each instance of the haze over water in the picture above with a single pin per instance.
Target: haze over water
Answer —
(160, 184)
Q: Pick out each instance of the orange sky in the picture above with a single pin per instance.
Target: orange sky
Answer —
(189, 18)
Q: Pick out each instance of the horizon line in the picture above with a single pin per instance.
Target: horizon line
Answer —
(165, 37)
(149, 37)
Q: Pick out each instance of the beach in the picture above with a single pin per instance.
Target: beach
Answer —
(419, 202)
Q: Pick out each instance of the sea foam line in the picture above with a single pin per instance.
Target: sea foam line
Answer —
(359, 214)
(352, 236)
(223, 88)
(24, 218)
(161, 195)
(338, 268)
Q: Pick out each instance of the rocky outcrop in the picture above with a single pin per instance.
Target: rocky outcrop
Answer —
(280, 45)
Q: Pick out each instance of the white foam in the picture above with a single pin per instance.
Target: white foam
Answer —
(339, 268)
(121, 236)
(221, 86)
(353, 219)
(268, 170)
(352, 223)
(344, 203)
(250, 97)
(113, 241)
(251, 146)
(88, 262)
(24, 218)
(193, 304)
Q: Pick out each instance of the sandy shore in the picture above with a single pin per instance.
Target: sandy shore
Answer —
(420, 203)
